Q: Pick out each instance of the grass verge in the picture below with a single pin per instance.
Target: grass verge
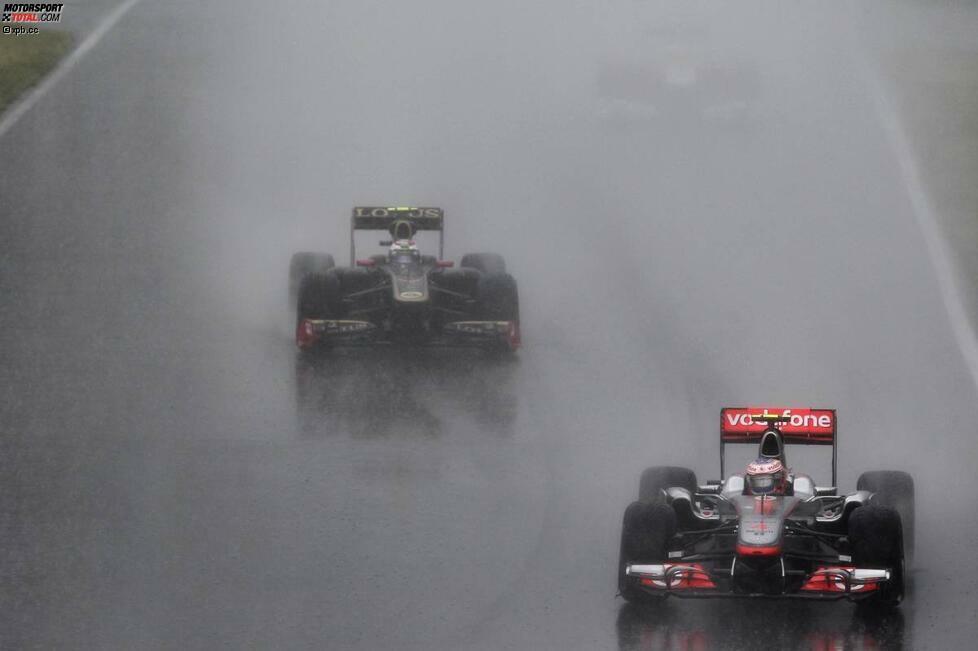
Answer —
(25, 59)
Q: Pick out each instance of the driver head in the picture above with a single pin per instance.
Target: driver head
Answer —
(766, 476)
(403, 252)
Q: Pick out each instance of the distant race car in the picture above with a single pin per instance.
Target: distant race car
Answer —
(769, 532)
(403, 296)
(677, 87)
(672, 76)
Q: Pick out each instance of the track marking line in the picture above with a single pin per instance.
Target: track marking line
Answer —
(926, 217)
(26, 103)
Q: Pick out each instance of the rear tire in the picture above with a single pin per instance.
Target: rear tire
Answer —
(895, 489)
(876, 540)
(656, 478)
(303, 264)
(646, 530)
(487, 263)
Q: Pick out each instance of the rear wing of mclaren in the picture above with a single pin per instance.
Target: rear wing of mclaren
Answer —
(800, 426)
(380, 218)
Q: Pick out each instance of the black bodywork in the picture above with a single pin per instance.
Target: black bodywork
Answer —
(417, 303)
(410, 299)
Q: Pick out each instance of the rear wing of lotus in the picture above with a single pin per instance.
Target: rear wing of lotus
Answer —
(804, 426)
(380, 218)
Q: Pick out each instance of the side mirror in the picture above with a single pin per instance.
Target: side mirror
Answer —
(822, 491)
(366, 262)
(386, 242)
(444, 264)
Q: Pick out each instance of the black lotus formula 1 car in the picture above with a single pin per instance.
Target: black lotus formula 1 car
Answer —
(402, 296)
(769, 532)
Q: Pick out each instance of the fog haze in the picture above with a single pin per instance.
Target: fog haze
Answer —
(702, 207)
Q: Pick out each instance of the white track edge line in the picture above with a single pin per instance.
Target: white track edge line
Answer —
(925, 215)
(21, 107)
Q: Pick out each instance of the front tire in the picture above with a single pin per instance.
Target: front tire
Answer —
(895, 489)
(498, 300)
(876, 540)
(304, 263)
(646, 530)
(317, 295)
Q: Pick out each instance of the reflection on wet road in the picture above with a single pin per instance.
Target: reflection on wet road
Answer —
(748, 625)
(402, 392)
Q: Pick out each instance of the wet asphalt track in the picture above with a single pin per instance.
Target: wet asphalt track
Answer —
(172, 476)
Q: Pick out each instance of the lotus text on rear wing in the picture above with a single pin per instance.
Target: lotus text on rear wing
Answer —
(400, 212)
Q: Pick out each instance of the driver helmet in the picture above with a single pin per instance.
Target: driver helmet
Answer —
(766, 476)
(403, 252)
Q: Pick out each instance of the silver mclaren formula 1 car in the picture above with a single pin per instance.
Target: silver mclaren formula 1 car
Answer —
(402, 296)
(769, 531)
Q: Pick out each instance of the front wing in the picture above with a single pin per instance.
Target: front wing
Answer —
(349, 332)
(683, 579)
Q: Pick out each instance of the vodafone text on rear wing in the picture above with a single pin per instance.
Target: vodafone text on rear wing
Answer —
(804, 426)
